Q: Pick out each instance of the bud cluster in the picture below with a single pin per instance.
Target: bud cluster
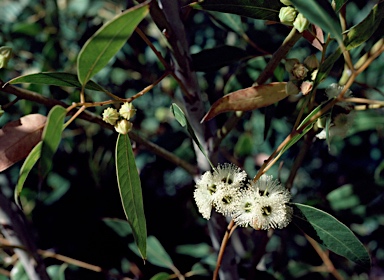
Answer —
(290, 16)
(301, 75)
(261, 204)
(120, 119)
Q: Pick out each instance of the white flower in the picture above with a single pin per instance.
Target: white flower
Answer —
(203, 194)
(263, 205)
(229, 174)
(333, 90)
(225, 198)
(246, 207)
(340, 126)
(271, 212)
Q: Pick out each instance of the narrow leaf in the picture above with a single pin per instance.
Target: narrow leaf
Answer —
(331, 233)
(51, 138)
(215, 58)
(339, 4)
(229, 21)
(107, 41)
(27, 166)
(258, 9)
(180, 117)
(326, 66)
(156, 253)
(55, 79)
(17, 138)
(248, 99)
(361, 32)
(130, 192)
(320, 12)
(121, 227)
(161, 276)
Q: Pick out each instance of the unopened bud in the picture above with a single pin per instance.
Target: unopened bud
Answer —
(291, 88)
(287, 15)
(123, 126)
(286, 2)
(299, 71)
(1, 111)
(300, 23)
(5, 56)
(290, 63)
(306, 87)
(311, 62)
(110, 116)
(127, 110)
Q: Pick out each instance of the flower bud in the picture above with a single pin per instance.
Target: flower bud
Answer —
(127, 110)
(314, 74)
(5, 55)
(299, 71)
(311, 62)
(306, 87)
(123, 126)
(300, 23)
(287, 15)
(290, 63)
(286, 2)
(1, 111)
(291, 88)
(110, 116)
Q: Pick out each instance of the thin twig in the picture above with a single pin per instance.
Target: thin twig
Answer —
(325, 258)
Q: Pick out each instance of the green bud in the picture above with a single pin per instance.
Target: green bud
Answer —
(291, 88)
(123, 126)
(110, 116)
(5, 56)
(286, 2)
(1, 111)
(300, 23)
(311, 62)
(290, 63)
(127, 110)
(299, 71)
(287, 15)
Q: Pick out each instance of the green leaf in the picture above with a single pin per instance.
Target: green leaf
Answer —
(107, 41)
(156, 253)
(258, 9)
(161, 276)
(339, 4)
(229, 21)
(57, 272)
(213, 59)
(361, 32)
(130, 192)
(200, 250)
(27, 166)
(326, 66)
(343, 198)
(51, 138)
(121, 227)
(55, 79)
(320, 12)
(180, 117)
(331, 233)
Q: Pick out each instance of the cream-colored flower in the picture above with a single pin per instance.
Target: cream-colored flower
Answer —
(287, 15)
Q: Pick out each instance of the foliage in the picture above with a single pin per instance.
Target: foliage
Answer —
(211, 82)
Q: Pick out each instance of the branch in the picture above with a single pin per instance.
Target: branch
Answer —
(88, 116)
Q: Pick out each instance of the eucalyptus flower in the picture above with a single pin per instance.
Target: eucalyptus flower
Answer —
(110, 116)
(123, 126)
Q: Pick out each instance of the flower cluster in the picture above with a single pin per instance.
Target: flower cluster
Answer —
(120, 119)
(289, 16)
(261, 204)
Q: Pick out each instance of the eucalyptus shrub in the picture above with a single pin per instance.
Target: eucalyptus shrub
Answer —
(238, 201)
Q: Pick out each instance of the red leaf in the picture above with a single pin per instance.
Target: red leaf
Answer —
(248, 99)
(17, 138)
(316, 41)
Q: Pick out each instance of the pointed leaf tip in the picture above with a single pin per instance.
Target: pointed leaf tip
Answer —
(248, 99)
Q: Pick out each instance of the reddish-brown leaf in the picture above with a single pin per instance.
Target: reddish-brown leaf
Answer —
(17, 138)
(248, 99)
(316, 37)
